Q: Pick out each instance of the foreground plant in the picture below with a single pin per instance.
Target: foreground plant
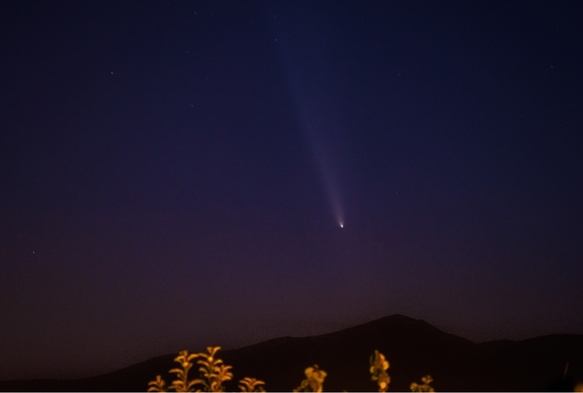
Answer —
(213, 370)
(181, 383)
(314, 381)
(251, 385)
(213, 373)
(425, 387)
(378, 368)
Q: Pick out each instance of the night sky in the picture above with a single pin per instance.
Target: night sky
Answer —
(175, 174)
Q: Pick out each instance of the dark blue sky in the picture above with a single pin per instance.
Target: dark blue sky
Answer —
(172, 173)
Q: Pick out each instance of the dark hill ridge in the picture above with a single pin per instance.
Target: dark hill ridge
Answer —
(413, 347)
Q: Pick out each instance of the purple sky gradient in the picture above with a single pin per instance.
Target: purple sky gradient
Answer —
(168, 172)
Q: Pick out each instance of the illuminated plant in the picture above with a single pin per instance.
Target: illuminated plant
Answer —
(213, 370)
(158, 385)
(213, 373)
(378, 368)
(181, 383)
(251, 385)
(424, 387)
(314, 381)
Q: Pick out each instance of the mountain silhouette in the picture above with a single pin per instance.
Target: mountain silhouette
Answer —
(413, 348)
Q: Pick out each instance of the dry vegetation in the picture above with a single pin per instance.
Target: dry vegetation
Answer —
(212, 374)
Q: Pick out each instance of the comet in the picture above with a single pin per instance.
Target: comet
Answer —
(317, 98)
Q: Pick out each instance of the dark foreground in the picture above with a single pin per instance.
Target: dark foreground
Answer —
(413, 347)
